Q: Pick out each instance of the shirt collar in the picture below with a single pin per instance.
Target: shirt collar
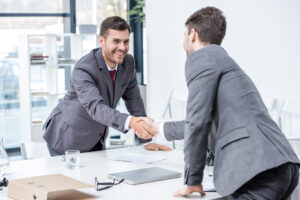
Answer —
(111, 69)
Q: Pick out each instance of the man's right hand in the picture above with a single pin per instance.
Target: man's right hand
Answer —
(156, 147)
(184, 192)
(143, 127)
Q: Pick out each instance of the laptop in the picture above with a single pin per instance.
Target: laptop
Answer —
(146, 175)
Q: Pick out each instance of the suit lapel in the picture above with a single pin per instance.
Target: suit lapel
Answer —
(105, 74)
(120, 79)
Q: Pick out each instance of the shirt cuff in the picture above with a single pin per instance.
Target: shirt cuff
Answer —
(126, 125)
(160, 137)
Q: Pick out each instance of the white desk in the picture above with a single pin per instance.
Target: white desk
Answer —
(96, 164)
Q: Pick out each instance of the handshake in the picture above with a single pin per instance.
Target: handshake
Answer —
(144, 127)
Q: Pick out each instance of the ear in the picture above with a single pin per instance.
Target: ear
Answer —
(101, 40)
(194, 35)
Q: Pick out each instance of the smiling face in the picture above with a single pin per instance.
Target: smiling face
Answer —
(115, 45)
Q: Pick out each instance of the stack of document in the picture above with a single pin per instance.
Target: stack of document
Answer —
(136, 158)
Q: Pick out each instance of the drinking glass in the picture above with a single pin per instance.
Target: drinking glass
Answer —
(72, 159)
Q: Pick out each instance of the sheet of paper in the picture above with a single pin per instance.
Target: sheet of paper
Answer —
(208, 183)
(136, 158)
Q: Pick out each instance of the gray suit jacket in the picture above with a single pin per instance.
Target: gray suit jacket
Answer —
(224, 104)
(80, 120)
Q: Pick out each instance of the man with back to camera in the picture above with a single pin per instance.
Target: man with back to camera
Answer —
(98, 81)
(225, 113)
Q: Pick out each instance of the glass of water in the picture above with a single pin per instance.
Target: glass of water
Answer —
(72, 159)
(4, 161)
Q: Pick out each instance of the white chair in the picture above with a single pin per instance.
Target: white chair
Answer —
(290, 119)
(175, 109)
(33, 150)
(275, 110)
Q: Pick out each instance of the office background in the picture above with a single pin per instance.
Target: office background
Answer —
(262, 36)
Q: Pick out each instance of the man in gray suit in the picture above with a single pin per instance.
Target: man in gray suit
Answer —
(98, 81)
(225, 113)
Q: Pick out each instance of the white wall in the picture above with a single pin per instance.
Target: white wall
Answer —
(262, 36)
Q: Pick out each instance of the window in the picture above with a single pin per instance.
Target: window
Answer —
(31, 6)
(94, 11)
(11, 26)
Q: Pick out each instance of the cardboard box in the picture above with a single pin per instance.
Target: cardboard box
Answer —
(49, 187)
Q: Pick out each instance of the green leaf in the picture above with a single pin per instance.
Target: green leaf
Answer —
(137, 12)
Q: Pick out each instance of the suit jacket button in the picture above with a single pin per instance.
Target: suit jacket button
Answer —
(115, 125)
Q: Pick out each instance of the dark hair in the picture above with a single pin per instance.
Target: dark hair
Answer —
(115, 23)
(209, 23)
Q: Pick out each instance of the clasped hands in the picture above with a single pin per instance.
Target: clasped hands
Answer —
(144, 127)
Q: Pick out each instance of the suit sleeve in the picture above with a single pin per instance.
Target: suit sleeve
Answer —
(174, 130)
(202, 90)
(90, 98)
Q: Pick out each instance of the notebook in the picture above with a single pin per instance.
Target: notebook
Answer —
(145, 175)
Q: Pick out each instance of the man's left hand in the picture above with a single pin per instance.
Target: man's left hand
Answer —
(157, 147)
(189, 190)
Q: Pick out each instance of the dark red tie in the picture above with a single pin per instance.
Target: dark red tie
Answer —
(112, 76)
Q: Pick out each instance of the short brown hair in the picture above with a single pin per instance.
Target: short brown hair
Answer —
(115, 23)
(209, 23)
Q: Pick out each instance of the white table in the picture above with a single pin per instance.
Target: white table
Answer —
(96, 164)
